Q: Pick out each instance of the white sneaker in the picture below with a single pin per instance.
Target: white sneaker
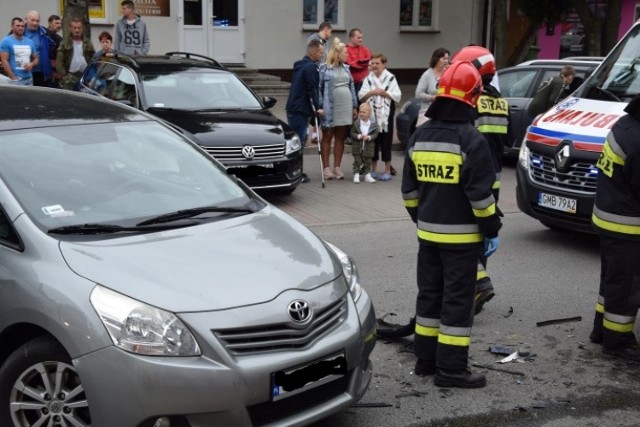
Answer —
(356, 178)
(369, 178)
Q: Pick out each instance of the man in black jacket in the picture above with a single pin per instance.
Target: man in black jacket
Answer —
(446, 187)
(304, 91)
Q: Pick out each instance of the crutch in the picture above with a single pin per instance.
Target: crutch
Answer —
(315, 117)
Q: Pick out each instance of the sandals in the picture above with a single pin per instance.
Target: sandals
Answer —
(384, 177)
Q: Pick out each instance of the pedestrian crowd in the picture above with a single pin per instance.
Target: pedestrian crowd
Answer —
(34, 55)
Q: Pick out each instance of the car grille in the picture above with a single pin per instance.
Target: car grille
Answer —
(234, 154)
(579, 177)
(245, 341)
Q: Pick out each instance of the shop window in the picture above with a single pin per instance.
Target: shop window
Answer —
(418, 15)
(315, 12)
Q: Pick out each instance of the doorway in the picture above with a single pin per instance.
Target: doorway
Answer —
(214, 28)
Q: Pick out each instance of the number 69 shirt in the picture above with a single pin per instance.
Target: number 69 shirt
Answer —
(446, 185)
(132, 38)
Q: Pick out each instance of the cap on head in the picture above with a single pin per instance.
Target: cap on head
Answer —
(461, 82)
(480, 57)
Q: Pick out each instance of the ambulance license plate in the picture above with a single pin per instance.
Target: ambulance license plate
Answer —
(558, 203)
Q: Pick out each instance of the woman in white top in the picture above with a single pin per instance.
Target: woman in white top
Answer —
(428, 84)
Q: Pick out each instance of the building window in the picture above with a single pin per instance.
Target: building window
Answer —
(418, 15)
(315, 12)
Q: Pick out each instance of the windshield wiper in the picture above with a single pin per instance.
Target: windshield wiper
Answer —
(190, 213)
(98, 228)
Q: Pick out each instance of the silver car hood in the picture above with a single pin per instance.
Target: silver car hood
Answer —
(213, 266)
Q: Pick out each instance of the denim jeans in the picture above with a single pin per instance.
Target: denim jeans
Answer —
(300, 123)
(22, 81)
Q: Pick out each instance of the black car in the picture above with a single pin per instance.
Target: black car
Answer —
(518, 84)
(211, 104)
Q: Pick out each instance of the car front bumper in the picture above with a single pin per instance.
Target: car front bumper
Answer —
(222, 388)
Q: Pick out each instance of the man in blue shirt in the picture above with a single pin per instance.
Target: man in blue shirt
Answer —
(38, 35)
(18, 55)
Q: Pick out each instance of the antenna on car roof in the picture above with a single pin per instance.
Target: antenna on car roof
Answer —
(190, 55)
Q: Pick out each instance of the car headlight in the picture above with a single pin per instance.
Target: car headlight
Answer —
(293, 144)
(140, 328)
(349, 270)
(523, 155)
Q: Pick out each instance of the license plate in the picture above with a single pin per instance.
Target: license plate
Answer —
(302, 378)
(558, 203)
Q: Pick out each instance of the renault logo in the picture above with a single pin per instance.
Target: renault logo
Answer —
(248, 152)
(562, 156)
(299, 311)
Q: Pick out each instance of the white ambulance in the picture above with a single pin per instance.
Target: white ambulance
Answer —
(556, 170)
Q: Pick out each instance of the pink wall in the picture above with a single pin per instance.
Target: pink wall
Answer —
(550, 44)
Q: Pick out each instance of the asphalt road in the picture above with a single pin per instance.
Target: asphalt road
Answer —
(539, 275)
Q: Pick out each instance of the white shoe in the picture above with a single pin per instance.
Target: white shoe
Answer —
(356, 178)
(369, 178)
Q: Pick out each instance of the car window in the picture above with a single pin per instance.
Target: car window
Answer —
(116, 173)
(7, 233)
(90, 76)
(104, 78)
(516, 83)
(124, 87)
(197, 89)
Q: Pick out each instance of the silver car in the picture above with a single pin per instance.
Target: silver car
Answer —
(141, 285)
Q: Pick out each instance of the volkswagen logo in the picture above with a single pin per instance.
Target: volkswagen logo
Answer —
(299, 311)
(248, 152)
(562, 155)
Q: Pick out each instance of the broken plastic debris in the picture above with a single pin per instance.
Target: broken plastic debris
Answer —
(558, 321)
(509, 358)
(501, 349)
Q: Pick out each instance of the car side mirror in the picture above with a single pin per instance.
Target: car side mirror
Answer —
(269, 101)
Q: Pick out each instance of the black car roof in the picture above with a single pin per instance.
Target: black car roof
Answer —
(173, 60)
(29, 107)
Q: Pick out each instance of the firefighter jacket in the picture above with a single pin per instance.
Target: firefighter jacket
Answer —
(493, 122)
(446, 184)
(616, 212)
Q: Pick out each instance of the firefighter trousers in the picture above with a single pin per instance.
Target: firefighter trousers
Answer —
(619, 295)
(444, 308)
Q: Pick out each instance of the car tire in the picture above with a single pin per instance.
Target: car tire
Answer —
(32, 375)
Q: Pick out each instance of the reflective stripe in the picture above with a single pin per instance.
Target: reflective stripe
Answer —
(411, 203)
(617, 327)
(481, 60)
(501, 129)
(483, 213)
(484, 203)
(616, 223)
(452, 91)
(481, 273)
(492, 120)
(411, 195)
(615, 148)
(454, 336)
(600, 308)
(426, 331)
(601, 300)
(449, 238)
(445, 147)
(498, 176)
(449, 228)
(496, 185)
(618, 323)
(427, 327)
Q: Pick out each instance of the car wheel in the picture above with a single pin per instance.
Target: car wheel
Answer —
(39, 386)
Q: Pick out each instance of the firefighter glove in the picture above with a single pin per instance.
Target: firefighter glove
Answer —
(490, 245)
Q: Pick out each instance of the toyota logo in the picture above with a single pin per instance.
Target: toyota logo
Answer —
(248, 152)
(299, 311)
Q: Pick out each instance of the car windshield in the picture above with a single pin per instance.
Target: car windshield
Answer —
(618, 79)
(116, 174)
(198, 90)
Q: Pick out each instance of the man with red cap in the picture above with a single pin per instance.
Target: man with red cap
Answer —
(447, 190)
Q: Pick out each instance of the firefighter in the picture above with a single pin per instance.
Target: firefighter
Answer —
(493, 122)
(446, 188)
(616, 218)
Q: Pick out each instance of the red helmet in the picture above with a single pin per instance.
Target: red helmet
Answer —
(480, 57)
(461, 82)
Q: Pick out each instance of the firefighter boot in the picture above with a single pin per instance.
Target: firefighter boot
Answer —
(596, 333)
(424, 367)
(464, 379)
(484, 293)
